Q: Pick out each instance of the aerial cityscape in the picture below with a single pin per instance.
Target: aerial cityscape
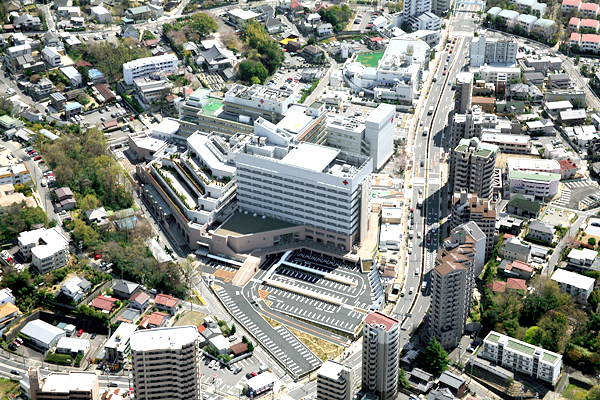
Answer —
(316, 200)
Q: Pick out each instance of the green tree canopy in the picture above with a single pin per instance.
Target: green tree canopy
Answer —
(252, 71)
(435, 359)
(403, 380)
(203, 24)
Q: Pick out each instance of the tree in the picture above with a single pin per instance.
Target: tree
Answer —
(187, 268)
(435, 359)
(89, 202)
(594, 299)
(249, 70)
(594, 393)
(311, 40)
(592, 241)
(532, 335)
(203, 24)
(84, 233)
(403, 380)
(233, 329)
(555, 331)
(571, 242)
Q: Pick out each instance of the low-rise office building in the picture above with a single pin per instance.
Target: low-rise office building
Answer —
(48, 249)
(579, 287)
(118, 348)
(73, 385)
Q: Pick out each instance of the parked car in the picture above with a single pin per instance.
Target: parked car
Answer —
(249, 375)
(80, 332)
(15, 372)
(37, 158)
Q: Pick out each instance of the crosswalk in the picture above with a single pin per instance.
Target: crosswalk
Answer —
(564, 199)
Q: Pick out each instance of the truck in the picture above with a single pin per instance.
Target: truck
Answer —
(430, 110)
(420, 202)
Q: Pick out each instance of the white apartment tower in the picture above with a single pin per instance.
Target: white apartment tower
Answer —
(473, 165)
(145, 66)
(165, 363)
(334, 381)
(493, 51)
(381, 351)
(415, 8)
(452, 282)
(317, 186)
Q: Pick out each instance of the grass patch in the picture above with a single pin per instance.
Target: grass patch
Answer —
(271, 321)
(370, 59)
(8, 386)
(63, 359)
(190, 318)
(322, 348)
(573, 392)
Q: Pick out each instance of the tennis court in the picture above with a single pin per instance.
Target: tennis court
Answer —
(370, 59)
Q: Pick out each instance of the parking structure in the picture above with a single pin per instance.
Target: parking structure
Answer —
(290, 351)
(330, 292)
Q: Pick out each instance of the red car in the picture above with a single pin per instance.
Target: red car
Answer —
(253, 373)
(80, 332)
(42, 161)
(97, 256)
(369, 26)
(37, 158)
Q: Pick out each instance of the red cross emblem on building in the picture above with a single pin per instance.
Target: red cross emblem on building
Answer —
(345, 182)
(261, 101)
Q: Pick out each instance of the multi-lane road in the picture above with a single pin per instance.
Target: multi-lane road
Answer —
(427, 181)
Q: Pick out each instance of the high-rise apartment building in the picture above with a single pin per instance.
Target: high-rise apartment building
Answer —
(63, 386)
(464, 92)
(486, 50)
(334, 381)
(381, 352)
(473, 167)
(440, 7)
(165, 363)
(415, 8)
(468, 207)
(452, 282)
(317, 186)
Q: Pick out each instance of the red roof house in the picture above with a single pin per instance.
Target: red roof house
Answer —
(104, 303)
(568, 169)
(166, 303)
(516, 284)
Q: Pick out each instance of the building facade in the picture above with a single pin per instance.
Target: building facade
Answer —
(474, 163)
(145, 66)
(492, 50)
(516, 355)
(63, 386)
(334, 381)
(165, 363)
(468, 207)
(381, 353)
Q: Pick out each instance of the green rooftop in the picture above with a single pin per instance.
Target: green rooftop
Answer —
(492, 337)
(213, 105)
(551, 358)
(370, 59)
(199, 94)
(519, 201)
(520, 347)
(240, 224)
(483, 149)
(534, 176)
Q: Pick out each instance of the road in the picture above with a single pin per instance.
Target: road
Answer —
(428, 177)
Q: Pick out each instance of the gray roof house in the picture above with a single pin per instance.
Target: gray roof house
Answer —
(42, 335)
(441, 394)
(124, 289)
(420, 380)
(454, 383)
(513, 249)
(97, 216)
(541, 231)
(273, 25)
(27, 22)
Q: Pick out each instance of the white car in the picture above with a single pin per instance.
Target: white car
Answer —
(216, 366)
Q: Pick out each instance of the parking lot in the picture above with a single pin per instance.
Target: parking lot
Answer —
(290, 351)
(355, 299)
(558, 217)
(225, 380)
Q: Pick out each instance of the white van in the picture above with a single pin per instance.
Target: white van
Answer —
(411, 290)
(403, 292)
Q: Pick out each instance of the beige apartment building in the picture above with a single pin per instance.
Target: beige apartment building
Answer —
(334, 381)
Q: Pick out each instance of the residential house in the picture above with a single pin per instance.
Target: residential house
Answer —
(582, 259)
(68, 12)
(51, 39)
(27, 22)
(313, 53)
(65, 198)
(58, 101)
(166, 303)
(100, 14)
(296, 9)
(264, 12)
(568, 169)
(129, 316)
(420, 380)
(324, 29)
(220, 344)
(155, 320)
(240, 17)
(74, 77)
(123, 289)
(75, 288)
(542, 231)
(73, 108)
(456, 384)
(95, 76)
(8, 197)
(509, 225)
(13, 5)
(97, 216)
(138, 13)
(105, 94)
(105, 304)
(273, 25)
(579, 287)
(6, 296)
(521, 206)
(128, 31)
(8, 312)
(139, 301)
(149, 90)
(517, 269)
(51, 56)
(31, 115)
(41, 89)
(216, 59)
(48, 249)
(512, 249)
